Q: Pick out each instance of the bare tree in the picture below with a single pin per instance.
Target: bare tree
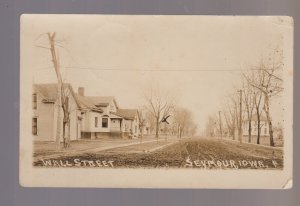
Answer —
(258, 103)
(271, 87)
(268, 82)
(249, 102)
(230, 120)
(63, 97)
(66, 92)
(183, 119)
(255, 78)
(231, 114)
(59, 85)
(142, 122)
(160, 104)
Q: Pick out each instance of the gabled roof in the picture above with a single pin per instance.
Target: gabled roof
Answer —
(95, 102)
(115, 116)
(101, 100)
(127, 113)
(48, 92)
(87, 103)
(98, 100)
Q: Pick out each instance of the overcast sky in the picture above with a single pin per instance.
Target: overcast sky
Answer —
(198, 57)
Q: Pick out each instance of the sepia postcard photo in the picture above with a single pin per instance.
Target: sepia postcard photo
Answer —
(141, 101)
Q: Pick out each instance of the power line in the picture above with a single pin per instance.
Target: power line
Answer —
(155, 69)
(150, 70)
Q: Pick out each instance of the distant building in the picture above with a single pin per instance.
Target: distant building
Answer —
(264, 129)
(130, 121)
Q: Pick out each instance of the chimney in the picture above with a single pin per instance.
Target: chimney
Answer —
(81, 91)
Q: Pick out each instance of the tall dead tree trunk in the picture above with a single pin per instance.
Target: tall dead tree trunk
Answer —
(258, 97)
(267, 111)
(249, 131)
(62, 99)
(258, 125)
(59, 88)
(66, 120)
(157, 128)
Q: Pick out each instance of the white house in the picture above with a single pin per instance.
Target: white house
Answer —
(102, 118)
(45, 110)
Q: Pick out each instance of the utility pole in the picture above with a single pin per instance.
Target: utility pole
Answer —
(220, 125)
(240, 119)
(235, 122)
(59, 87)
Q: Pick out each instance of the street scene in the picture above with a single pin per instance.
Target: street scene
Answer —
(186, 153)
(125, 96)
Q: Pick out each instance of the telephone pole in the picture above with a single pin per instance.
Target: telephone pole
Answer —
(221, 132)
(235, 122)
(59, 87)
(240, 119)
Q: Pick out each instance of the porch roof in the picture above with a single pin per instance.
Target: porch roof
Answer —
(87, 103)
(129, 114)
(115, 116)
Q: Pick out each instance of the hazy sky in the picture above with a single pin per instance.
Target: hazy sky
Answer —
(120, 55)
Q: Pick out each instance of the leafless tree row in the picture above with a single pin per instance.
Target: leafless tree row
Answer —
(260, 83)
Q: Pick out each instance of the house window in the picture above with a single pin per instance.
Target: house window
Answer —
(34, 101)
(104, 122)
(34, 126)
(96, 121)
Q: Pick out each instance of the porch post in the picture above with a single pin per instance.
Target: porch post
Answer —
(121, 128)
